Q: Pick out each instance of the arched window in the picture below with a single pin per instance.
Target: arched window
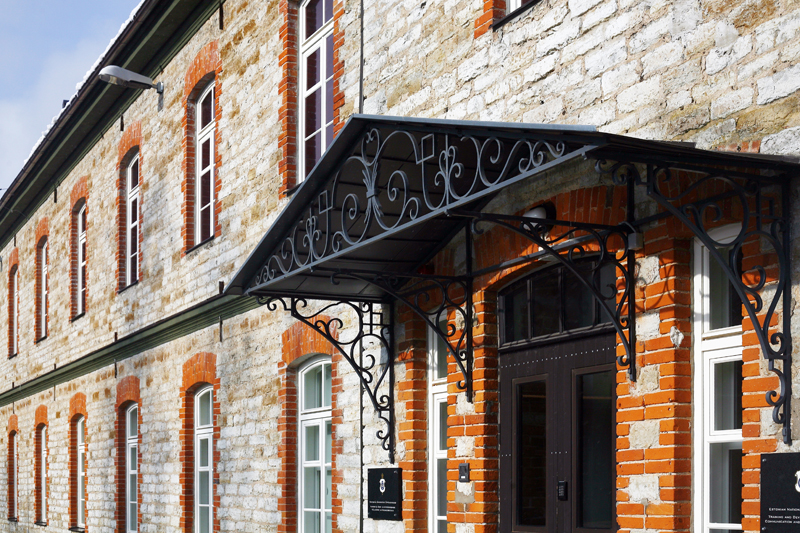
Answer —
(204, 162)
(80, 454)
(13, 474)
(552, 301)
(42, 282)
(81, 266)
(315, 446)
(132, 227)
(13, 311)
(316, 82)
(204, 459)
(41, 475)
(717, 391)
(132, 468)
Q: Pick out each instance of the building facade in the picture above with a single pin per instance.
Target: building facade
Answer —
(539, 256)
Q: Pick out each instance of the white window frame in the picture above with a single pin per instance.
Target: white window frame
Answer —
(202, 135)
(437, 394)
(130, 224)
(80, 427)
(322, 418)
(15, 311)
(43, 288)
(203, 432)
(131, 470)
(317, 41)
(82, 260)
(43, 472)
(710, 347)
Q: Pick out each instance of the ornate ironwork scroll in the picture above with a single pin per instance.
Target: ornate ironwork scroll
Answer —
(608, 278)
(373, 327)
(375, 193)
(710, 195)
(443, 302)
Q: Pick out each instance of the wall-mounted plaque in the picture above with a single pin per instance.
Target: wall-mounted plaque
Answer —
(780, 492)
(384, 494)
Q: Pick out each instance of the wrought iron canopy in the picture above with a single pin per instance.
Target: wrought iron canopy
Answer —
(392, 192)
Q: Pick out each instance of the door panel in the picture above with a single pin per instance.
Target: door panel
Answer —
(557, 437)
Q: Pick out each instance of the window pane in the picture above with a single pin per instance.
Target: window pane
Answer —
(515, 305)
(205, 109)
(133, 268)
(312, 443)
(133, 459)
(203, 456)
(134, 174)
(205, 151)
(531, 451)
(328, 488)
(545, 304)
(314, 13)
(596, 427)
(441, 487)
(328, 10)
(204, 520)
(83, 220)
(328, 442)
(443, 425)
(327, 385)
(442, 526)
(728, 395)
(205, 188)
(133, 421)
(132, 488)
(726, 482)
(312, 388)
(204, 484)
(313, 152)
(311, 487)
(311, 522)
(132, 517)
(205, 408)
(578, 300)
(205, 223)
(313, 112)
(725, 306)
(134, 210)
(328, 523)
(81, 430)
(313, 68)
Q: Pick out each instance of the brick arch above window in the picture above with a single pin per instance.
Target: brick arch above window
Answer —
(128, 391)
(13, 424)
(204, 69)
(299, 341)
(77, 405)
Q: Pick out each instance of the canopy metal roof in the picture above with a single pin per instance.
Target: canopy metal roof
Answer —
(380, 199)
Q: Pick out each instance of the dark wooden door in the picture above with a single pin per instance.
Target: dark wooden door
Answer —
(557, 437)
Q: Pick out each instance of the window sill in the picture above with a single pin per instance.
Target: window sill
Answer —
(514, 14)
(76, 317)
(40, 523)
(200, 245)
(12, 519)
(125, 288)
(40, 339)
(13, 355)
(77, 529)
(290, 192)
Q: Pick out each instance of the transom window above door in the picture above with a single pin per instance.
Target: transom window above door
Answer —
(553, 301)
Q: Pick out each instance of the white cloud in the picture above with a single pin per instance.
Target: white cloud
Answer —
(23, 119)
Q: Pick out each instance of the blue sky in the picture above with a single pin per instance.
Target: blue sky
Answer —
(47, 47)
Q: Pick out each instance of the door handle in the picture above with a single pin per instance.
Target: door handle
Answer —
(562, 491)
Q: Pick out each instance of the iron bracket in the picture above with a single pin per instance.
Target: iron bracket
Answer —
(374, 326)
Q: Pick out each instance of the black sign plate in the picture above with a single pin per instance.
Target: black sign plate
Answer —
(384, 494)
(780, 492)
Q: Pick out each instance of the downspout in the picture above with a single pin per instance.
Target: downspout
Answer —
(361, 72)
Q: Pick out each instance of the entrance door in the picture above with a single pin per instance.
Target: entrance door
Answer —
(557, 437)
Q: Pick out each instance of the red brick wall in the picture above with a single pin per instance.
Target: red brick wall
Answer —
(493, 10)
(77, 199)
(77, 408)
(199, 370)
(298, 341)
(129, 145)
(127, 395)
(205, 68)
(13, 298)
(42, 233)
(40, 422)
(13, 473)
